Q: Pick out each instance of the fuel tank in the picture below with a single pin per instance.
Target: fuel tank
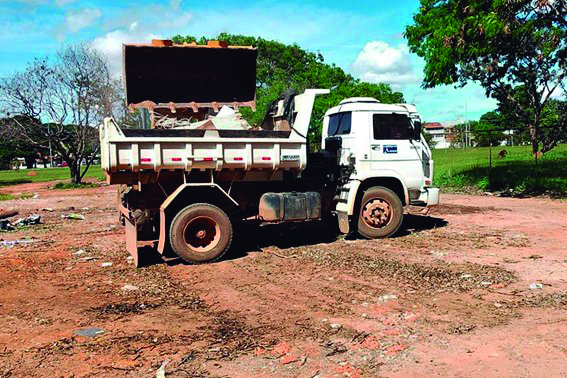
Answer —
(293, 206)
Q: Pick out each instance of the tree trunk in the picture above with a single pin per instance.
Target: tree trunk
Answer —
(533, 139)
(75, 172)
(30, 160)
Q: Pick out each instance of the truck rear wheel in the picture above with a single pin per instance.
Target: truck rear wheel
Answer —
(381, 213)
(200, 233)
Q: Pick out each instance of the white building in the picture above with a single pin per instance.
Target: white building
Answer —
(441, 134)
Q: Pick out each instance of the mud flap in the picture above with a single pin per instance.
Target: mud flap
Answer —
(132, 240)
(343, 222)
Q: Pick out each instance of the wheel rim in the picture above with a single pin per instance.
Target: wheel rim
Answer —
(377, 213)
(202, 234)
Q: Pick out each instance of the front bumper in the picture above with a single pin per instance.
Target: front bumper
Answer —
(429, 197)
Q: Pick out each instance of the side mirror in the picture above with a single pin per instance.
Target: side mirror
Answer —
(417, 130)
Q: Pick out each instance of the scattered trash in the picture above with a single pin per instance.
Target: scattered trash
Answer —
(106, 264)
(129, 287)
(486, 283)
(387, 297)
(160, 373)
(79, 252)
(335, 326)
(466, 276)
(535, 286)
(89, 332)
(438, 253)
(36, 196)
(28, 221)
(73, 216)
(49, 209)
(11, 243)
(6, 225)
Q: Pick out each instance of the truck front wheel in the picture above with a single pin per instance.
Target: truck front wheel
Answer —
(381, 213)
(200, 233)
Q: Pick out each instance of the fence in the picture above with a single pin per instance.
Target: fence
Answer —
(505, 163)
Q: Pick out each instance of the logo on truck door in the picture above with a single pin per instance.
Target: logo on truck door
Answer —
(390, 149)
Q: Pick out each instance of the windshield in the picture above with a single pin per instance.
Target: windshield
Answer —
(391, 126)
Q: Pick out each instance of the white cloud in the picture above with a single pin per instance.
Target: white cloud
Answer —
(176, 22)
(80, 19)
(62, 3)
(379, 62)
(110, 45)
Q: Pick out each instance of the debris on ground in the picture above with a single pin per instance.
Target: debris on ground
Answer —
(89, 332)
(160, 373)
(73, 216)
(8, 214)
(387, 297)
(79, 252)
(106, 264)
(129, 287)
(6, 225)
(11, 243)
(28, 221)
(536, 286)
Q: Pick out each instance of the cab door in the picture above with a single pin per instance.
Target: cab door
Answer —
(392, 147)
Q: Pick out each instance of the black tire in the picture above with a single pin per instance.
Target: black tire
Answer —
(381, 213)
(200, 233)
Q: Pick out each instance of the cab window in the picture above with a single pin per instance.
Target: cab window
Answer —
(391, 126)
(339, 124)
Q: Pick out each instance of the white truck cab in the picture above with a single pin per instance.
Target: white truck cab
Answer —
(382, 143)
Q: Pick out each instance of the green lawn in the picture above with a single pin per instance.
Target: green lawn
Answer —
(23, 176)
(465, 169)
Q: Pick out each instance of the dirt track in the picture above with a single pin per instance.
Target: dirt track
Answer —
(449, 296)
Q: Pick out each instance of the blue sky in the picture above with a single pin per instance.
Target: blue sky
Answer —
(362, 37)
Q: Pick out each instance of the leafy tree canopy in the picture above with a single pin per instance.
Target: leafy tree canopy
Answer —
(281, 67)
(500, 44)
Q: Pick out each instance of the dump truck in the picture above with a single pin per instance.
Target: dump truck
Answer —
(192, 168)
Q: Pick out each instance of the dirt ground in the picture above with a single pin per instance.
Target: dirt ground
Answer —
(449, 295)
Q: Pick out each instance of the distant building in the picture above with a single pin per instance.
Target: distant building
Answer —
(441, 134)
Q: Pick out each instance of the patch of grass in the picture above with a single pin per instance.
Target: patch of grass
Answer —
(22, 196)
(469, 170)
(23, 176)
(72, 185)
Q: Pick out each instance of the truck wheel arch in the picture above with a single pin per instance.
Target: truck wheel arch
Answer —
(393, 183)
(186, 195)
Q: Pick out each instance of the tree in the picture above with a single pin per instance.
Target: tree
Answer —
(69, 96)
(501, 44)
(281, 67)
(488, 130)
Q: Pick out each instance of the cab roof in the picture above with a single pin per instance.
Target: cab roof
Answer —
(364, 104)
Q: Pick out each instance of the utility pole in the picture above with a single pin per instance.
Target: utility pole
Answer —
(467, 127)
